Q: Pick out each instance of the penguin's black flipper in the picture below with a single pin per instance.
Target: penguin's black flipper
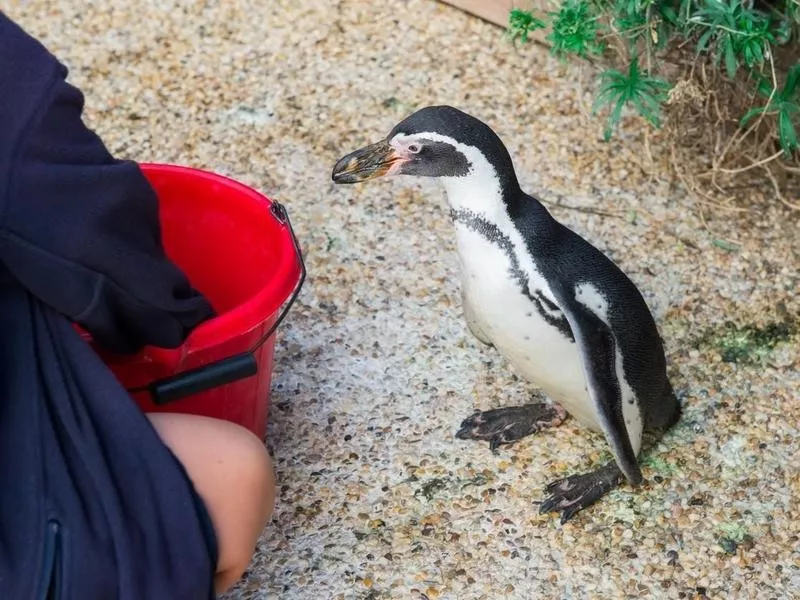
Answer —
(598, 351)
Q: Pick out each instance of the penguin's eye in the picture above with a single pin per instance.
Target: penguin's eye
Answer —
(413, 148)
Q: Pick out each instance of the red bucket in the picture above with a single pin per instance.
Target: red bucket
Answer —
(238, 249)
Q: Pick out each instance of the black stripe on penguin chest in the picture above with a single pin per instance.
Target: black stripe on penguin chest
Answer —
(492, 234)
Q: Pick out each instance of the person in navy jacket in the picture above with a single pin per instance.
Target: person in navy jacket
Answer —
(99, 501)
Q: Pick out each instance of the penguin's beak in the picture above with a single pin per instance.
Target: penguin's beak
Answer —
(369, 162)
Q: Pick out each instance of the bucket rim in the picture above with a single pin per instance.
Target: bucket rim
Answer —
(266, 302)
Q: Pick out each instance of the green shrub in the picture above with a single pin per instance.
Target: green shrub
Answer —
(752, 47)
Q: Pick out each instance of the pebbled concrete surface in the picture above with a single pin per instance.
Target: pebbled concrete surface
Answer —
(375, 368)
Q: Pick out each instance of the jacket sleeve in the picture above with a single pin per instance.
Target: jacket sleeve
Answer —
(80, 231)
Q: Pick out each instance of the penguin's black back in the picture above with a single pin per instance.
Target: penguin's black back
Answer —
(562, 255)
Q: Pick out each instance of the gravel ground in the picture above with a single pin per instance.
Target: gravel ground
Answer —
(375, 367)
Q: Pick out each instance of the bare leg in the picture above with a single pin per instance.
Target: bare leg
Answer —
(507, 425)
(233, 474)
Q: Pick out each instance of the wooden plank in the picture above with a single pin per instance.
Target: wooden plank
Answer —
(494, 11)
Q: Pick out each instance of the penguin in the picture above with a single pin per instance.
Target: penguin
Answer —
(564, 316)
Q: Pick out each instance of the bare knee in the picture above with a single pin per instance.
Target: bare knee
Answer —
(234, 476)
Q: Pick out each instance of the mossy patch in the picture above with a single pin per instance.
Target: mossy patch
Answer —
(748, 343)
(751, 343)
(734, 535)
(658, 465)
(734, 531)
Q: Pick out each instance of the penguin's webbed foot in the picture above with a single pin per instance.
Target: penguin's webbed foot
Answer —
(507, 425)
(576, 492)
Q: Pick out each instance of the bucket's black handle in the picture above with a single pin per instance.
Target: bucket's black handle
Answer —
(237, 367)
(167, 390)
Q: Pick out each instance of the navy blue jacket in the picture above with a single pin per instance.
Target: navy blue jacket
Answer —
(93, 506)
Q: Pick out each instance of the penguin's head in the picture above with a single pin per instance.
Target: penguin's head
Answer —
(435, 141)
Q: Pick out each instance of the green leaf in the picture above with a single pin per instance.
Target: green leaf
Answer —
(731, 63)
(787, 133)
(616, 113)
(702, 43)
(685, 11)
(790, 87)
(758, 56)
(750, 114)
(765, 87)
(669, 14)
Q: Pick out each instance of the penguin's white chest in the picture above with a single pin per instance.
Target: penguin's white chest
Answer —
(494, 284)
